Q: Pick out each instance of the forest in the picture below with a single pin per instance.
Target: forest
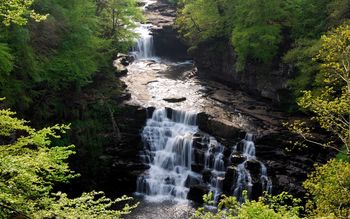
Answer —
(84, 122)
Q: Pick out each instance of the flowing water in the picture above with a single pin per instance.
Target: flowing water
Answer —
(179, 155)
(168, 151)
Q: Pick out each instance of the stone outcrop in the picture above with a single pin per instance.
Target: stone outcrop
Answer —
(167, 42)
(121, 62)
(121, 162)
(216, 60)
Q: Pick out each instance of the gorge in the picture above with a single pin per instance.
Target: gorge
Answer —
(201, 136)
(174, 109)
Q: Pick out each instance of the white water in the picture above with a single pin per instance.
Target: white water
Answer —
(144, 48)
(169, 154)
(244, 179)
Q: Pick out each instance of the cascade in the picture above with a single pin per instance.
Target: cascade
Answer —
(244, 180)
(168, 151)
(144, 48)
(171, 152)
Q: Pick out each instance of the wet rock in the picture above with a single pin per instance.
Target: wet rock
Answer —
(206, 175)
(192, 180)
(253, 166)
(197, 168)
(150, 111)
(230, 179)
(237, 159)
(199, 156)
(197, 192)
(175, 100)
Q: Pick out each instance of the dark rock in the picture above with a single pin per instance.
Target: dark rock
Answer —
(253, 166)
(197, 168)
(175, 100)
(237, 159)
(192, 181)
(206, 175)
(230, 179)
(150, 111)
(197, 192)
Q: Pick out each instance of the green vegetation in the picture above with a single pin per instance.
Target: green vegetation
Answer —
(329, 103)
(272, 207)
(329, 189)
(50, 53)
(30, 166)
(313, 38)
(55, 59)
(63, 52)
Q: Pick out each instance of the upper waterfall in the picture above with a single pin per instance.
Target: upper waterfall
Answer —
(144, 48)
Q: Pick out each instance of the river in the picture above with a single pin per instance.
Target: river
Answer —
(185, 162)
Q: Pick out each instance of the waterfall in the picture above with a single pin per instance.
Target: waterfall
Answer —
(168, 151)
(144, 47)
(244, 179)
(180, 156)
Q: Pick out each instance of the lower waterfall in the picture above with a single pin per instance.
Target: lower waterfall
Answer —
(181, 157)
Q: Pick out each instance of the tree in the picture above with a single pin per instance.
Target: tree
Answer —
(30, 166)
(272, 207)
(329, 188)
(330, 105)
(17, 12)
(257, 29)
(200, 20)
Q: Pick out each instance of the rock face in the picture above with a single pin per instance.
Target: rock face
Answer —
(120, 161)
(120, 63)
(167, 43)
(216, 60)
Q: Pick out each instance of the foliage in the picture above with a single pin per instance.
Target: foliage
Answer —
(257, 29)
(329, 188)
(200, 20)
(62, 53)
(29, 168)
(17, 11)
(330, 105)
(265, 207)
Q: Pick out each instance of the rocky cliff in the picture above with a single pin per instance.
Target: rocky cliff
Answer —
(216, 60)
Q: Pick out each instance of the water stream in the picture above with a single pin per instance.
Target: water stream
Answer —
(179, 155)
(170, 151)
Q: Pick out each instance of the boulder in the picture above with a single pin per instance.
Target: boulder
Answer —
(197, 192)
(175, 99)
(237, 158)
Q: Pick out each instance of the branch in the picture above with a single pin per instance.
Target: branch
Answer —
(14, 210)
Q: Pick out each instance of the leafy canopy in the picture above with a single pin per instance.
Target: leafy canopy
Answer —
(330, 104)
(273, 207)
(29, 168)
(329, 188)
(17, 12)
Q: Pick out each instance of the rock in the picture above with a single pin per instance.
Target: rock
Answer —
(197, 192)
(150, 111)
(258, 79)
(120, 68)
(199, 156)
(192, 181)
(230, 179)
(175, 100)
(253, 166)
(237, 159)
(206, 175)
